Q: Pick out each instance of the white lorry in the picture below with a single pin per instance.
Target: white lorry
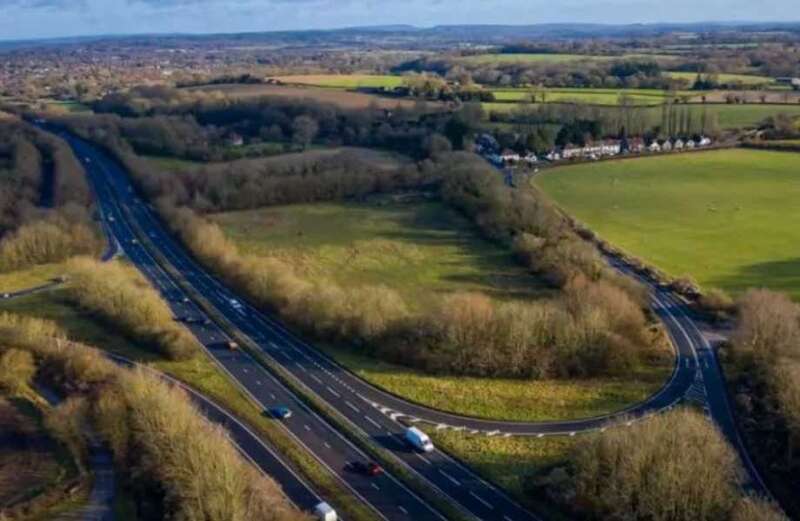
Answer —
(418, 439)
(325, 512)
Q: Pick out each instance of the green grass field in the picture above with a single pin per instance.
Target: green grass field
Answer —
(729, 116)
(28, 278)
(509, 399)
(421, 249)
(590, 96)
(745, 79)
(724, 217)
(511, 463)
(344, 81)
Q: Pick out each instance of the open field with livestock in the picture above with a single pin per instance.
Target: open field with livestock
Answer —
(724, 218)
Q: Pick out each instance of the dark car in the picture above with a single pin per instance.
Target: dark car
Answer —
(365, 468)
(280, 413)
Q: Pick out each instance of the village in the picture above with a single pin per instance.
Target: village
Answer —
(487, 146)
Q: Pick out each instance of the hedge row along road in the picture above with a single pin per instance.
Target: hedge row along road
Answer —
(371, 411)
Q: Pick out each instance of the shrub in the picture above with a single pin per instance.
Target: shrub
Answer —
(17, 368)
(651, 471)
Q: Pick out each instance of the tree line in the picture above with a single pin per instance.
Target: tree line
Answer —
(175, 463)
(765, 350)
(31, 234)
(120, 296)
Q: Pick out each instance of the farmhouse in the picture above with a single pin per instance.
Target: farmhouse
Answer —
(654, 147)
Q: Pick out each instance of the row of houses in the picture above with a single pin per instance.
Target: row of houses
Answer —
(487, 146)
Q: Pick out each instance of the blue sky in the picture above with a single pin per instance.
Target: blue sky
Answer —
(47, 18)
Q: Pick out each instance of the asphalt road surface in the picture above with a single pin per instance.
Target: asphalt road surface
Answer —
(374, 412)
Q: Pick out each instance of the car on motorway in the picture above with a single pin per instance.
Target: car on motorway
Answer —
(231, 345)
(6, 295)
(370, 468)
(418, 439)
(280, 412)
(235, 304)
(324, 512)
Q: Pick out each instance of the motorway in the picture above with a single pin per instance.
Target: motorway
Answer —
(372, 411)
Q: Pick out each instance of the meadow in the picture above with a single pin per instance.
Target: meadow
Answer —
(746, 79)
(423, 249)
(418, 248)
(344, 81)
(729, 116)
(590, 96)
(722, 217)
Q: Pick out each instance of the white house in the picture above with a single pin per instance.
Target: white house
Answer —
(530, 158)
(553, 156)
(509, 156)
(704, 142)
(611, 147)
(690, 144)
(666, 145)
(571, 151)
(654, 147)
(678, 144)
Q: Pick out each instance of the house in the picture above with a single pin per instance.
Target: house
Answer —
(234, 140)
(678, 144)
(792, 82)
(634, 145)
(654, 147)
(666, 145)
(690, 144)
(704, 141)
(553, 155)
(530, 158)
(611, 147)
(509, 156)
(570, 151)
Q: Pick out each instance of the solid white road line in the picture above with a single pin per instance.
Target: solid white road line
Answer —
(352, 406)
(334, 392)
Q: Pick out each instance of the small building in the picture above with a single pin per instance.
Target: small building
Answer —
(704, 141)
(666, 145)
(678, 144)
(234, 140)
(690, 144)
(611, 147)
(633, 145)
(654, 147)
(509, 156)
(570, 151)
(553, 155)
(530, 158)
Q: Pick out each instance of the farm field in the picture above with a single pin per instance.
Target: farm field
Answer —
(591, 96)
(342, 98)
(723, 217)
(422, 250)
(729, 116)
(344, 81)
(28, 278)
(746, 79)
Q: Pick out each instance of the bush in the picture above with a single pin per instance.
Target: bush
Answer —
(45, 241)
(651, 471)
(16, 370)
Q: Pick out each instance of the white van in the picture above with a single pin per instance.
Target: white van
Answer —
(418, 439)
(325, 512)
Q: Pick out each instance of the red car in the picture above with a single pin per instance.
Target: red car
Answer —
(368, 469)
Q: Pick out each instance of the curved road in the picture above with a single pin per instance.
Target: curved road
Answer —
(372, 411)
